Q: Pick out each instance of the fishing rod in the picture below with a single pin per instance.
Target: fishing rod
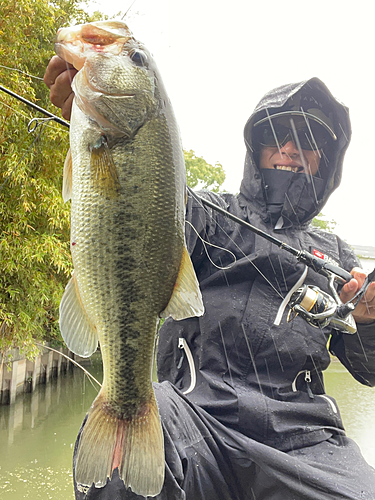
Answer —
(317, 264)
(318, 308)
(35, 106)
(315, 306)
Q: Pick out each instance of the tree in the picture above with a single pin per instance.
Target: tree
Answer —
(35, 258)
(201, 174)
(322, 222)
(35, 261)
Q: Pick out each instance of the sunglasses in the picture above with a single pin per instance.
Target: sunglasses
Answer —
(309, 134)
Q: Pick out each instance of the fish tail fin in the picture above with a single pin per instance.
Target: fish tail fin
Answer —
(135, 446)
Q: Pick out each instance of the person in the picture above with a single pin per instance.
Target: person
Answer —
(241, 391)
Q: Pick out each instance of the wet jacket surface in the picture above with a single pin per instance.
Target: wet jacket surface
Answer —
(262, 379)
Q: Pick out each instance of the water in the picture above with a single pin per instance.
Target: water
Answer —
(357, 407)
(37, 434)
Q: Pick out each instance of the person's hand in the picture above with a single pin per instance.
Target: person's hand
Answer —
(365, 310)
(58, 78)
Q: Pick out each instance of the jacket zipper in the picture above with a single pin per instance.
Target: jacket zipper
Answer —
(307, 380)
(309, 391)
(182, 344)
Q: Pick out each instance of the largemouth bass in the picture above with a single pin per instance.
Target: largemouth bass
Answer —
(125, 176)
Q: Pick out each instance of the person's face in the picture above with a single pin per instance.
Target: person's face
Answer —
(288, 157)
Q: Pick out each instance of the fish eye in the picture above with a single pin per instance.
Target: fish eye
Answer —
(138, 57)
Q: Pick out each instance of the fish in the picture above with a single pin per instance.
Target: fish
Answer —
(125, 177)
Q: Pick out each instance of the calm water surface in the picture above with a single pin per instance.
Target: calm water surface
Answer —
(37, 434)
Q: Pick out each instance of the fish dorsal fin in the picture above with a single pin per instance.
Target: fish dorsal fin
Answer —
(103, 170)
(186, 300)
(67, 177)
(76, 328)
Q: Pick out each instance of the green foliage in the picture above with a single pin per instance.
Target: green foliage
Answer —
(201, 174)
(35, 260)
(321, 222)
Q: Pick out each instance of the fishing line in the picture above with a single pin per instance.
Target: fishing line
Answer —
(66, 124)
(205, 242)
(33, 124)
(319, 266)
(131, 5)
(15, 110)
(20, 71)
(237, 246)
(26, 117)
(72, 361)
(35, 106)
(29, 148)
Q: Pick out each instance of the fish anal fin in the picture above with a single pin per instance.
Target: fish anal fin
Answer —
(186, 300)
(133, 445)
(103, 169)
(76, 328)
(67, 177)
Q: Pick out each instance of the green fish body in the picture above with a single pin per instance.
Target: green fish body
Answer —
(125, 176)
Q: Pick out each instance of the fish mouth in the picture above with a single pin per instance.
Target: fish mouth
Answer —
(72, 44)
(290, 168)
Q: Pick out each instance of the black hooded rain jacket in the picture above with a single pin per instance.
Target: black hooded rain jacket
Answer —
(257, 377)
(241, 399)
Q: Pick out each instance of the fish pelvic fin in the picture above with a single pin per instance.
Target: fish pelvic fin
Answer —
(67, 177)
(77, 330)
(186, 300)
(133, 445)
(103, 169)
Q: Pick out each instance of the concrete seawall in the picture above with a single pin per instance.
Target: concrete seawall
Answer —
(19, 375)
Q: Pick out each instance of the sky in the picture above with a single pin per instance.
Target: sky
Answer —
(217, 60)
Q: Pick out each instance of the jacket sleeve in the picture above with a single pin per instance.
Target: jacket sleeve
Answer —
(356, 352)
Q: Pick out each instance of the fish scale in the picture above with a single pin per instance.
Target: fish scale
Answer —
(125, 177)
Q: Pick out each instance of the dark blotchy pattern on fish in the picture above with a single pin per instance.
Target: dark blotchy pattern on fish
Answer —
(128, 196)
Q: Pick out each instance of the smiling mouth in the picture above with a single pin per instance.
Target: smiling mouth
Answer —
(288, 168)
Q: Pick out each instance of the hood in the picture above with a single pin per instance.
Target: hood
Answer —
(304, 196)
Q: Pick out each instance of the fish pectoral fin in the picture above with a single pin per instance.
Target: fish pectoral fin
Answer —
(67, 177)
(134, 445)
(103, 169)
(186, 300)
(76, 328)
